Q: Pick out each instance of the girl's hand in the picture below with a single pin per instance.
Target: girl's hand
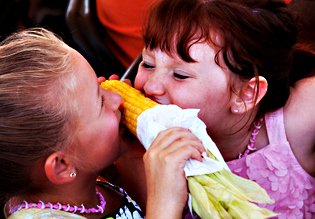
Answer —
(164, 163)
(101, 79)
(112, 77)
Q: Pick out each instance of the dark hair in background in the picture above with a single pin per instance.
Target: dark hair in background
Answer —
(259, 38)
(304, 61)
(305, 10)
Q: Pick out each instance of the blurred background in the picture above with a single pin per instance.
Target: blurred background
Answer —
(75, 21)
(18, 14)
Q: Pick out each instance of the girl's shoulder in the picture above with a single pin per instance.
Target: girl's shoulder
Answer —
(299, 121)
(301, 101)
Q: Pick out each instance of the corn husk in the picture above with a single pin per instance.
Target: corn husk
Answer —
(223, 194)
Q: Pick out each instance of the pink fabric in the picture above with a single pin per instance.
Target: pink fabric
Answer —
(276, 169)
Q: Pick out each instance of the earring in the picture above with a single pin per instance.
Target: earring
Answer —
(73, 174)
(235, 111)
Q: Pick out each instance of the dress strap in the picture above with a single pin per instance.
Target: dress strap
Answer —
(275, 127)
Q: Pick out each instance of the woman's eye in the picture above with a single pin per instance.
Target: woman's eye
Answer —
(180, 76)
(145, 65)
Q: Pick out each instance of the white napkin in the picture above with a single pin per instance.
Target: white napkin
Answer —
(162, 117)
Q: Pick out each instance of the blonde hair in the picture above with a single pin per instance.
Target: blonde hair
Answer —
(36, 118)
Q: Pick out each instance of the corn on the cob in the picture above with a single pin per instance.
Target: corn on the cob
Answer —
(220, 194)
(134, 102)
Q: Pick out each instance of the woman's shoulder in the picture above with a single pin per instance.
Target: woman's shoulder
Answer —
(299, 121)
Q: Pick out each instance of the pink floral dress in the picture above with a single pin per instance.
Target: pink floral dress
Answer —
(276, 169)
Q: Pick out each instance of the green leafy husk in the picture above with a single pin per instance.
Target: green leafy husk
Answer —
(225, 195)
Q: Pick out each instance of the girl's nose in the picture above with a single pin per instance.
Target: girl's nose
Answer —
(154, 85)
(113, 100)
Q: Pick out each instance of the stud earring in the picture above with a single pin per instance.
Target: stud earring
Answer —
(73, 174)
(235, 111)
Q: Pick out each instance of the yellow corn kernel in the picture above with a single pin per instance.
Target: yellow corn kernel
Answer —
(134, 102)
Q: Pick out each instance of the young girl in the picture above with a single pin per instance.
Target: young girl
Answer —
(59, 129)
(238, 62)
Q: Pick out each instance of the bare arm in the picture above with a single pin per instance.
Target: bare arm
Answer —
(164, 167)
(299, 115)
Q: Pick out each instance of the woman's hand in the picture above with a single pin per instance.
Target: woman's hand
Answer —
(164, 163)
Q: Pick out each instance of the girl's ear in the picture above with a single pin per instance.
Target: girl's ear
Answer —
(248, 97)
(59, 169)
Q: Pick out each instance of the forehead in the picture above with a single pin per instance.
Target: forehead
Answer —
(213, 42)
(82, 69)
(83, 81)
(200, 51)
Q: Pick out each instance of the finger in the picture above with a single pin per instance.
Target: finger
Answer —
(190, 149)
(174, 160)
(196, 144)
(179, 136)
(168, 136)
(113, 77)
(127, 81)
(101, 79)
